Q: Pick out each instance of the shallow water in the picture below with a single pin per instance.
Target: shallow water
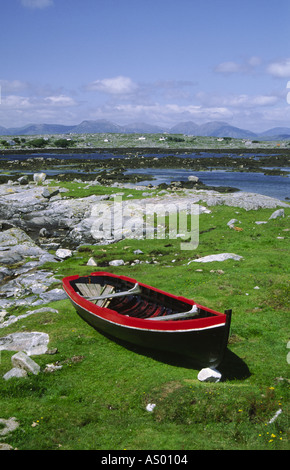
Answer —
(273, 186)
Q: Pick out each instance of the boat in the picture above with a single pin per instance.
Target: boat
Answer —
(136, 313)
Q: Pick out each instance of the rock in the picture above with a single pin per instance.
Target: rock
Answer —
(63, 253)
(39, 177)
(4, 446)
(50, 192)
(194, 179)
(15, 372)
(209, 374)
(219, 257)
(232, 222)
(91, 262)
(23, 180)
(150, 407)
(44, 233)
(52, 296)
(25, 362)
(33, 343)
(277, 213)
(260, 222)
(52, 367)
(9, 425)
(117, 262)
(3, 314)
(138, 252)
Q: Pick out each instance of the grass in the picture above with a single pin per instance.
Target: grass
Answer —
(98, 399)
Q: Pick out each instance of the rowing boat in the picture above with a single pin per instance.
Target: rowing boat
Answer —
(134, 312)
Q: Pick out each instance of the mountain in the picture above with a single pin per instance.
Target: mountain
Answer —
(188, 128)
(96, 127)
(40, 129)
(143, 128)
(275, 131)
(4, 131)
(209, 129)
(223, 129)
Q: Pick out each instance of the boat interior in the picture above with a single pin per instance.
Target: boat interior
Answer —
(133, 300)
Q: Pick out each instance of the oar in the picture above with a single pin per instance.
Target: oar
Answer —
(135, 290)
(175, 316)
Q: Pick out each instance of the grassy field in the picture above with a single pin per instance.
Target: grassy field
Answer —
(98, 399)
(138, 141)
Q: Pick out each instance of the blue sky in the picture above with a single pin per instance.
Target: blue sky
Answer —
(156, 61)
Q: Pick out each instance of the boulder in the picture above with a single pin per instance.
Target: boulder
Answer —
(25, 362)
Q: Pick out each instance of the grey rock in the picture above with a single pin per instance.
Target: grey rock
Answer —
(9, 425)
(25, 362)
(63, 253)
(15, 372)
(91, 262)
(117, 262)
(39, 177)
(193, 178)
(50, 192)
(53, 296)
(219, 257)
(23, 180)
(33, 343)
(277, 213)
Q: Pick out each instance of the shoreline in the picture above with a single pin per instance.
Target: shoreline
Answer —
(144, 150)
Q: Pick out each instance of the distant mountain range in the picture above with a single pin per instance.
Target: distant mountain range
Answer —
(213, 129)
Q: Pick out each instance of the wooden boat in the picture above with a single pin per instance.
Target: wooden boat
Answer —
(145, 316)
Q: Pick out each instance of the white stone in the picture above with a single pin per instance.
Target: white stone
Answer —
(209, 374)
(219, 257)
(9, 425)
(150, 407)
(193, 178)
(63, 253)
(278, 213)
(117, 262)
(25, 362)
(15, 372)
(91, 262)
(39, 177)
(33, 343)
(232, 221)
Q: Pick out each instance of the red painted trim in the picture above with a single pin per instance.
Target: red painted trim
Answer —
(114, 317)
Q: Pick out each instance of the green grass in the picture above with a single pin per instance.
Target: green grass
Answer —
(98, 399)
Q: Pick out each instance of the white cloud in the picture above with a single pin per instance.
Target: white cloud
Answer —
(113, 86)
(247, 66)
(229, 67)
(237, 101)
(60, 100)
(34, 4)
(280, 69)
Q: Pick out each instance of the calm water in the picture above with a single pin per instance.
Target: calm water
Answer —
(274, 186)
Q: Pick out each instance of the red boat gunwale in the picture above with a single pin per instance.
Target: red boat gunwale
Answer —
(219, 319)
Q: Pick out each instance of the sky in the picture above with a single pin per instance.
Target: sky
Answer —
(155, 61)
